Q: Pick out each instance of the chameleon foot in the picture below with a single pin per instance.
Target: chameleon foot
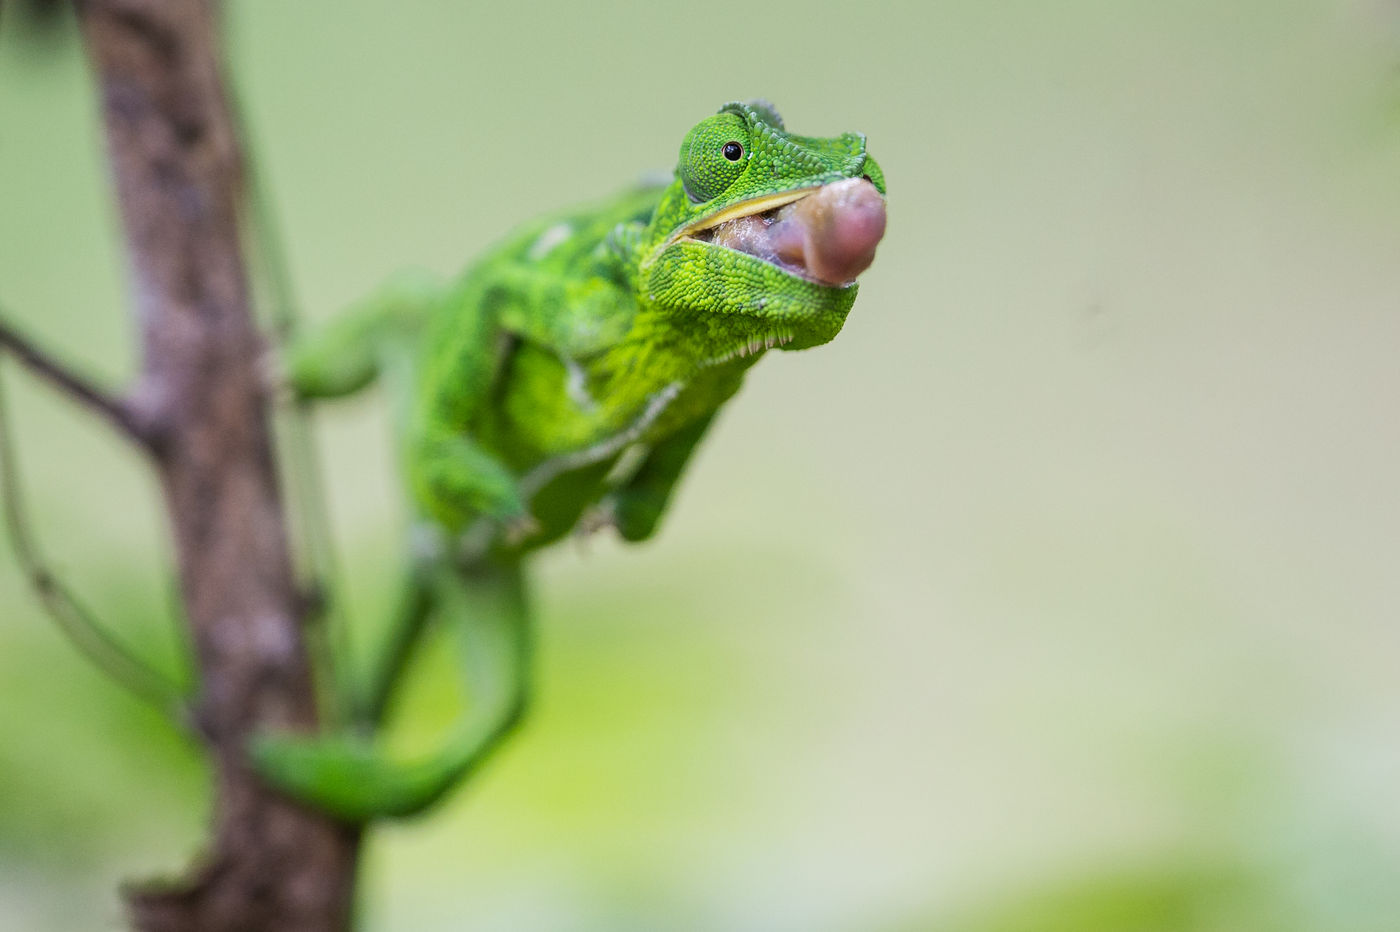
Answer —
(517, 531)
(596, 518)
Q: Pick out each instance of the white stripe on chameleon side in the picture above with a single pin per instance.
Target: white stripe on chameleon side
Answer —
(478, 536)
(549, 240)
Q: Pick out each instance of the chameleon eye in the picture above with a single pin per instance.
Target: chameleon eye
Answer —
(713, 156)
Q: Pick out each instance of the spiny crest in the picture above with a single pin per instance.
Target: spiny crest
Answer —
(786, 153)
(764, 108)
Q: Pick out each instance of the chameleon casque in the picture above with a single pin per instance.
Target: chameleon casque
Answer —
(562, 384)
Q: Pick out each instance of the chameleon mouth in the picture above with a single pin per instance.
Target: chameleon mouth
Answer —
(825, 235)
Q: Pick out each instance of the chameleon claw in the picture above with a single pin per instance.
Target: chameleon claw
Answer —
(485, 533)
(596, 518)
(517, 531)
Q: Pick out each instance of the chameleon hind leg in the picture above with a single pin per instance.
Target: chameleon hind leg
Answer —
(350, 777)
(370, 340)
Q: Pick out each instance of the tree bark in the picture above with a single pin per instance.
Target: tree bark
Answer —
(271, 864)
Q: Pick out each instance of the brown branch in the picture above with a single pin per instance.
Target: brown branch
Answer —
(117, 411)
(271, 864)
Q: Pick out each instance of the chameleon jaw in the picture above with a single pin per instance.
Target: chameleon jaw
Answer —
(750, 208)
(825, 235)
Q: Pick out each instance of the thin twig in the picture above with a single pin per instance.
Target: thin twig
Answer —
(329, 634)
(74, 619)
(116, 410)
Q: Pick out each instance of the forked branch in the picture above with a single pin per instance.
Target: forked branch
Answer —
(116, 410)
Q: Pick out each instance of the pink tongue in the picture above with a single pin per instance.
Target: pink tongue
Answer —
(833, 232)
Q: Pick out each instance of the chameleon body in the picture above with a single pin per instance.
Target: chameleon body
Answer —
(563, 382)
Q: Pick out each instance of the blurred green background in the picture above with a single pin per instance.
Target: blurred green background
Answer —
(1059, 593)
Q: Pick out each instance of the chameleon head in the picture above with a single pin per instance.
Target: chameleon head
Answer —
(766, 228)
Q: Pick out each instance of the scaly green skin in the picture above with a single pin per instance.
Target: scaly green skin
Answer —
(568, 375)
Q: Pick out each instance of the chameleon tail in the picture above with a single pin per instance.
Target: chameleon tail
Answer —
(352, 779)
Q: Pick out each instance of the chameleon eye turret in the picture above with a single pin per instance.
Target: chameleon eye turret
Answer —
(712, 156)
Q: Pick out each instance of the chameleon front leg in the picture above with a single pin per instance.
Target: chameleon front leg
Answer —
(635, 506)
(500, 307)
(454, 478)
(349, 777)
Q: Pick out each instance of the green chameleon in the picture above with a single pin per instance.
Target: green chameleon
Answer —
(560, 386)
